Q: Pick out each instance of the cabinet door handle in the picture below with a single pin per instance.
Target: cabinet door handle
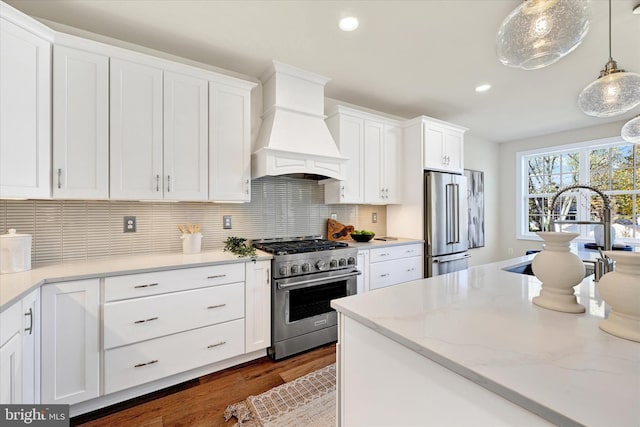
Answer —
(59, 178)
(157, 182)
(145, 320)
(410, 269)
(145, 286)
(216, 344)
(30, 328)
(217, 276)
(384, 275)
(385, 254)
(168, 183)
(268, 277)
(216, 306)
(247, 184)
(139, 365)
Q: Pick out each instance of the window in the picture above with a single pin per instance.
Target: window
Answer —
(612, 166)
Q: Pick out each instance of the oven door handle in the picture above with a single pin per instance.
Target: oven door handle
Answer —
(323, 279)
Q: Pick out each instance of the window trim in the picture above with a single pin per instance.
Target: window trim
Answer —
(521, 183)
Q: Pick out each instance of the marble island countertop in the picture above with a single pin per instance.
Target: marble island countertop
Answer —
(481, 324)
(14, 285)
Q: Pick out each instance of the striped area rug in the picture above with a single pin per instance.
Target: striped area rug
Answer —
(308, 401)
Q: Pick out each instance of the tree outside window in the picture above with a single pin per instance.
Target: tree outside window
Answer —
(613, 169)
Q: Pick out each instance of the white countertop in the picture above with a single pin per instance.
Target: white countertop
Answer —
(15, 285)
(371, 244)
(481, 324)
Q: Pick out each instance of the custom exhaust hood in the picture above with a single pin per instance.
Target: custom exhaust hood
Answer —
(293, 139)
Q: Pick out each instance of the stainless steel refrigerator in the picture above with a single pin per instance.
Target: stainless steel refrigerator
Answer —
(445, 223)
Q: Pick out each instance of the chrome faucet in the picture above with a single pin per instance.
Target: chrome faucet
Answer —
(604, 264)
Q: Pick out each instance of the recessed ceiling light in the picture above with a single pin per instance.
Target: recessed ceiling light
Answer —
(636, 9)
(349, 23)
(483, 88)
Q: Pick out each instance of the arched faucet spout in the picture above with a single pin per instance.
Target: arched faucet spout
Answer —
(606, 211)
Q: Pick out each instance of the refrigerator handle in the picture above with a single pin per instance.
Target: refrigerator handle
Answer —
(456, 213)
(453, 213)
(449, 216)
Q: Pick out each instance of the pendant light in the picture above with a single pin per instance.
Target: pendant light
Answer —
(614, 92)
(631, 130)
(540, 32)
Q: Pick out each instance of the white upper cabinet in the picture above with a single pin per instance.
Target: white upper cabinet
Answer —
(136, 131)
(348, 133)
(443, 146)
(391, 164)
(372, 144)
(80, 124)
(229, 142)
(25, 107)
(373, 162)
(185, 137)
(158, 133)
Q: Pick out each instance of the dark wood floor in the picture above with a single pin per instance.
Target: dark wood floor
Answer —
(201, 402)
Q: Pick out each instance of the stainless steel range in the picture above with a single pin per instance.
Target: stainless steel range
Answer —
(307, 273)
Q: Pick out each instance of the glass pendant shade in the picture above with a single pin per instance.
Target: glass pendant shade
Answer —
(631, 130)
(540, 32)
(615, 92)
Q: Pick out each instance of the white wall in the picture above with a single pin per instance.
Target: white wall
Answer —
(509, 245)
(483, 156)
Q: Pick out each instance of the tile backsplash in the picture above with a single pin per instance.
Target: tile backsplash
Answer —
(66, 230)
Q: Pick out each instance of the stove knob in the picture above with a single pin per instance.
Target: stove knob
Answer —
(342, 262)
(295, 269)
(306, 267)
(284, 270)
(321, 265)
(333, 263)
(351, 261)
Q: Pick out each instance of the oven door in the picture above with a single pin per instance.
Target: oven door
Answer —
(302, 304)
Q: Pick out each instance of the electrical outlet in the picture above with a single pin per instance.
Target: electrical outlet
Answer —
(334, 216)
(227, 223)
(129, 225)
(374, 217)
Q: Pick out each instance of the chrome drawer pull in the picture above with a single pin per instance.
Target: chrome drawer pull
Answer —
(384, 275)
(139, 365)
(384, 254)
(217, 276)
(145, 286)
(216, 345)
(146, 320)
(216, 306)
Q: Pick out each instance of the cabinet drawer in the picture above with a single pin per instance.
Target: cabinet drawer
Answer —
(129, 321)
(160, 282)
(391, 273)
(139, 363)
(395, 252)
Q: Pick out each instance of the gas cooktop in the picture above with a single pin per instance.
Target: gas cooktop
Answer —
(296, 245)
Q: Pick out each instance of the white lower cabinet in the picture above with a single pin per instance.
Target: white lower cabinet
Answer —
(11, 355)
(257, 306)
(70, 341)
(20, 351)
(146, 361)
(390, 265)
(162, 323)
(363, 266)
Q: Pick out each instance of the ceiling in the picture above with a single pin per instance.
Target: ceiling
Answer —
(407, 58)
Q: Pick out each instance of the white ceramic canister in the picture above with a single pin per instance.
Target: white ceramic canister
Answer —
(15, 252)
(191, 243)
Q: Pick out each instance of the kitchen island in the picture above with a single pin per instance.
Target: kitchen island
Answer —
(470, 348)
